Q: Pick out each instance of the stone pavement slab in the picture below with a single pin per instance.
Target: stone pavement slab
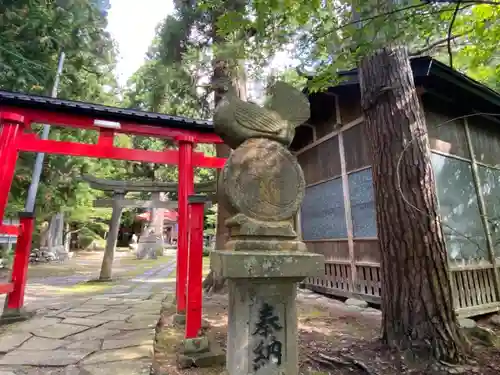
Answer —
(34, 324)
(58, 331)
(42, 343)
(87, 344)
(109, 333)
(126, 326)
(87, 322)
(56, 357)
(95, 334)
(126, 343)
(114, 355)
(12, 340)
(73, 314)
(135, 367)
(109, 315)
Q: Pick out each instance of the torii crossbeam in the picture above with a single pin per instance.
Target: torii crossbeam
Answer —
(18, 112)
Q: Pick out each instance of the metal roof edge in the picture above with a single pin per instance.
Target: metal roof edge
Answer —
(445, 72)
(426, 66)
(18, 98)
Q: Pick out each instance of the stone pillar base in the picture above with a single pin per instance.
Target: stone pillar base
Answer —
(266, 264)
(199, 352)
(10, 316)
(179, 320)
(262, 314)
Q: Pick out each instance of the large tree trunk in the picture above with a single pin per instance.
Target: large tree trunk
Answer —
(417, 307)
(235, 71)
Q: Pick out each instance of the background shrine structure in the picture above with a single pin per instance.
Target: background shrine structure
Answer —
(338, 215)
(18, 112)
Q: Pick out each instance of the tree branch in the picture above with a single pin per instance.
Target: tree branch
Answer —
(435, 44)
(450, 27)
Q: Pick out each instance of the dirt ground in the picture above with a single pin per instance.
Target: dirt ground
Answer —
(335, 330)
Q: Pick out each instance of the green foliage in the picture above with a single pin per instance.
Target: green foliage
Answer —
(32, 35)
(331, 35)
(86, 237)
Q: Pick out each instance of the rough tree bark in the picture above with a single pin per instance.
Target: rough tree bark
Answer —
(223, 68)
(417, 307)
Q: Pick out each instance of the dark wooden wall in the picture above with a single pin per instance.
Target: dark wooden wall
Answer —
(338, 213)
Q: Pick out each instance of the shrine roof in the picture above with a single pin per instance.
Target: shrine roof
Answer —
(103, 112)
(438, 78)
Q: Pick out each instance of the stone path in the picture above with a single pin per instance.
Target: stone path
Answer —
(109, 333)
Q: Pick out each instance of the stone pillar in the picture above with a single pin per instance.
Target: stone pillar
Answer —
(264, 258)
(157, 214)
(114, 228)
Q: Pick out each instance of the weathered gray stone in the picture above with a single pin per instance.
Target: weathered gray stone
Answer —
(7, 372)
(467, 323)
(10, 341)
(179, 319)
(95, 333)
(371, 310)
(125, 326)
(485, 335)
(35, 324)
(42, 343)
(144, 317)
(126, 343)
(135, 367)
(110, 316)
(123, 354)
(495, 320)
(141, 334)
(58, 331)
(279, 173)
(356, 302)
(195, 345)
(103, 302)
(57, 357)
(74, 314)
(85, 344)
(253, 302)
(212, 358)
(87, 322)
(267, 264)
(89, 308)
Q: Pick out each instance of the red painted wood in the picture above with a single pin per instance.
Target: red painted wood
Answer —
(87, 122)
(106, 138)
(30, 143)
(12, 230)
(14, 120)
(186, 187)
(194, 287)
(10, 130)
(15, 299)
(6, 288)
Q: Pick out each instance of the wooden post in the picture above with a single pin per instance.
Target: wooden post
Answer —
(195, 269)
(15, 299)
(347, 210)
(186, 187)
(11, 126)
(482, 211)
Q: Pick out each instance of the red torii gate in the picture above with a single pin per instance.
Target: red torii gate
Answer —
(17, 114)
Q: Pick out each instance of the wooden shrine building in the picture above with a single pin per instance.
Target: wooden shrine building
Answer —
(338, 217)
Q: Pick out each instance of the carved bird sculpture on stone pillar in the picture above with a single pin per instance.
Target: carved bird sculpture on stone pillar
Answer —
(235, 120)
